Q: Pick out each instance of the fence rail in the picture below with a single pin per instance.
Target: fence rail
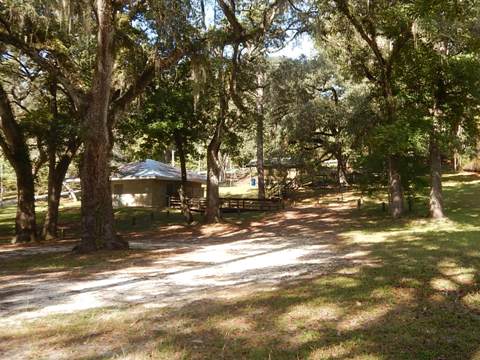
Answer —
(232, 204)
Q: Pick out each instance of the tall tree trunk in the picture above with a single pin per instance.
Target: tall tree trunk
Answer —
(212, 212)
(98, 229)
(16, 151)
(25, 223)
(183, 167)
(53, 198)
(436, 196)
(260, 124)
(395, 188)
(56, 175)
(396, 201)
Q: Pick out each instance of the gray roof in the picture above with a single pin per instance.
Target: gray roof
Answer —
(151, 169)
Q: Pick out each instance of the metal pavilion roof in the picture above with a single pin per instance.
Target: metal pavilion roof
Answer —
(151, 169)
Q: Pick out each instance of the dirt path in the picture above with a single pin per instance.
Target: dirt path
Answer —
(284, 247)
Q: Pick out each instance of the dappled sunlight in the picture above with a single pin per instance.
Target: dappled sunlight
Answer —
(358, 237)
(235, 323)
(333, 352)
(458, 179)
(472, 301)
(363, 318)
(443, 284)
(410, 282)
(460, 275)
(349, 270)
(309, 315)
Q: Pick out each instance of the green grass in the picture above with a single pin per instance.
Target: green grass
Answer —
(127, 219)
(242, 190)
(415, 295)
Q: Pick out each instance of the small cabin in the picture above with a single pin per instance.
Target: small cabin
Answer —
(151, 183)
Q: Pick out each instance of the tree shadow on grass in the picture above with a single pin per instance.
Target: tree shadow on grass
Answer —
(412, 306)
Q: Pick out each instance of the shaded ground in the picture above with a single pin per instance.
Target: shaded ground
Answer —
(337, 283)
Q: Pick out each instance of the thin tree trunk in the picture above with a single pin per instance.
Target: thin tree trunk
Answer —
(457, 160)
(395, 188)
(260, 125)
(396, 200)
(436, 196)
(98, 229)
(183, 167)
(260, 161)
(341, 168)
(55, 182)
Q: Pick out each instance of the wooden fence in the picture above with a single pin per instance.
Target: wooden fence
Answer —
(232, 204)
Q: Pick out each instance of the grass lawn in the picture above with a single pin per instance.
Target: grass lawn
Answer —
(417, 298)
(127, 219)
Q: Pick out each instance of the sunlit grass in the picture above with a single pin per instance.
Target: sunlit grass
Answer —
(243, 190)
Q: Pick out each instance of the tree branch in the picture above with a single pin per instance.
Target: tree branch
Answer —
(121, 100)
(77, 95)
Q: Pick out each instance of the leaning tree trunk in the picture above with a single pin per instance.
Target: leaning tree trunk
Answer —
(183, 167)
(436, 196)
(395, 188)
(56, 175)
(25, 224)
(96, 210)
(212, 212)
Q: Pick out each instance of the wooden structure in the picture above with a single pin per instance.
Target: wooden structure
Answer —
(149, 183)
(232, 204)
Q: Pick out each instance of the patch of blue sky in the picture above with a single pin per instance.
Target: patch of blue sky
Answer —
(295, 48)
